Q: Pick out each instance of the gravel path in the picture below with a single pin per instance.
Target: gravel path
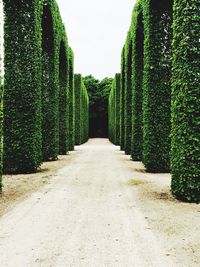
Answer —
(88, 215)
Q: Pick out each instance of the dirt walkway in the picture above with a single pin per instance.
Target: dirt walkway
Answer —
(101, 210)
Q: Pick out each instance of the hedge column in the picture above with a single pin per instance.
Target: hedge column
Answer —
(122, 98)
(71, 101)
(185, 156)
(137, 79)
(63, 100)
(22, 95)
(50, 84)
(128, 94)
(117, 108)
(157, 84)
(82, 111)
(112, 115)
(1, 92)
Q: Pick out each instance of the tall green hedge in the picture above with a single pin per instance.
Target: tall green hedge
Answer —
(63, 100)
(71, 101)
(1, 132)
(84, 114)
(33, 34)
(22, 87)
(81, 111)
(128, 93)
(112, 114)
(53, 34)
(137, 79)
(114, 111)
(157, 17)
(122, 98)
(117, 108)
(185, 155)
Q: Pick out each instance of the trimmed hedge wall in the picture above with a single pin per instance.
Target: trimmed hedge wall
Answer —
(122, 98)
(53, 35)
(114, 111)
(1, 96)
(71, 101)
(137, 79)
(117, 108)
(81, 111)
(112, 114)
(128, 94)
(63, 101)
(1, 131)
(153, 86)
(22, 87)
(157, 17)
(34, 76)
(185, 155)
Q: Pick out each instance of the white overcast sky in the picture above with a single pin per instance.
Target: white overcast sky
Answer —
(96, 32)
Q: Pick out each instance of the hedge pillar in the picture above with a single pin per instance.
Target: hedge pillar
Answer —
(50, 86)
(137, 79)
(22, 90)
(77, 84)
(157, 84)
(122, 99)
(63, 100)
(71, 101)
(81, 110)
(185, 155)
(128, 94)
(1, 93)
(117, 108)
(112, 114)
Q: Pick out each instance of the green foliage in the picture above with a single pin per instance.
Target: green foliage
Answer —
(185, 155)
(22, 91)
(71, 101)
(98, 92)
(33, 36)
(112, 114)
(137, 78)
(128, 94)
(117, 108)
(157, 17)
(81, 111)
(114, 111)
(122, 98)
(54, 99)
(63, 100)
(1, 132)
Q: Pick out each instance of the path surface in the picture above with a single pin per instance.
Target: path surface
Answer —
(87, 216)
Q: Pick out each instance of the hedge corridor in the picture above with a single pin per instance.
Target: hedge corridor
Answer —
(160, 93)
(39, 101)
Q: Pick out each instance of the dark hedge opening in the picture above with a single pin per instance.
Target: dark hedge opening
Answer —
(47, 31)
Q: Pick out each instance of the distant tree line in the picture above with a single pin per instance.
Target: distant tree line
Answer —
(98, 92)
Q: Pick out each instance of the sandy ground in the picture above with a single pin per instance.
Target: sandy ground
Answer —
(97, 208)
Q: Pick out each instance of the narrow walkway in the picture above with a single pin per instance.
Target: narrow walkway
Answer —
(87, 216)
